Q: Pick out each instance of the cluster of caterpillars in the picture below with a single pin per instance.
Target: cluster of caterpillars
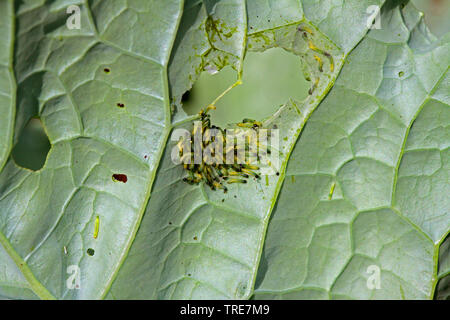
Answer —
(305, 31)
(217, 174)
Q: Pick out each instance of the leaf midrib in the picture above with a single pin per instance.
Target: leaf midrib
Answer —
(35, 284)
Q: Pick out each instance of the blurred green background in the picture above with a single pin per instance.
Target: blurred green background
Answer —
(32, 147)
(269, 80)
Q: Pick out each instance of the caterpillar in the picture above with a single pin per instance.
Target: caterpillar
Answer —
(237, 181)
(305, 31)
(304, 28)
(216, 174)
(96, 227)
(326, 54)
(319, 60)
(249, 123)
(314, 86)
(330, 195)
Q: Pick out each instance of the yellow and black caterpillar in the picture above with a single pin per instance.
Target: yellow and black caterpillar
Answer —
(216, 173)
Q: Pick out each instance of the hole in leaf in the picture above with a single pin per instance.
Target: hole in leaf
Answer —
(186, 97)
(32, 147)
(120, 105)
(107, 70)
(270, 78)
(120, 177)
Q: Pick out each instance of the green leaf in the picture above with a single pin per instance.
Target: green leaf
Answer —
(197, 243)
(374, 195)
(362, 181)
(102, 94)
(7, 81)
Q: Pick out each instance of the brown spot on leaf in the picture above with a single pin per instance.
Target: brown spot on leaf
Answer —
(120, 177)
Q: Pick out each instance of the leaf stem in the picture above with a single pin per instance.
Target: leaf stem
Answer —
(238, 82)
